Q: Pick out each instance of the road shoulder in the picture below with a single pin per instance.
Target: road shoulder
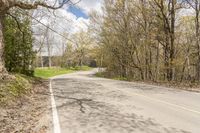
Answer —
(29, 114)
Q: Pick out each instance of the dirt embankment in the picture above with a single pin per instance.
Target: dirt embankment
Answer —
(29, 113)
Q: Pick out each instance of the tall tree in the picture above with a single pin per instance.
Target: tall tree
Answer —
(19, 53)
(166, 12)
(147, 40)
(195, 5)
(5, 6)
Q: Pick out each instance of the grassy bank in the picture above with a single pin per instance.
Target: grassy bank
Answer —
(13, 88)
(186, 85)
(46, 73)
(19, 85)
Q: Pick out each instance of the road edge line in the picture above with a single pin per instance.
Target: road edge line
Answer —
(56, 123)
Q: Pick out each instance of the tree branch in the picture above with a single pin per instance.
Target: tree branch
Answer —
(35, 5)
(17, 22)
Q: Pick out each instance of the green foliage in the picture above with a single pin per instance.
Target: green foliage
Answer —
(19, 54)
(19, 86)
(79, 53)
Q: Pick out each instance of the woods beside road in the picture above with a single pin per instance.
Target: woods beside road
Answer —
(137, 40)
(141, 41)
(154, 40)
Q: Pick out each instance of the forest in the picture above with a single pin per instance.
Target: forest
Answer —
(154, 40)
(62, 62)
(148, 40)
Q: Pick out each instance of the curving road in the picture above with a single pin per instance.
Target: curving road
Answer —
(87, 104)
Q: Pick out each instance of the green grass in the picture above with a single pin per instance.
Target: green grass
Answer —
(50, 72)
(46, 73)
(13, 88)
(120, 78)
(104, 75)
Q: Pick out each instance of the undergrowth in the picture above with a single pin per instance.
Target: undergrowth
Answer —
(13, 88)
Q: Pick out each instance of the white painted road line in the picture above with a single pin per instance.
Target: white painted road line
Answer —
(56, 124)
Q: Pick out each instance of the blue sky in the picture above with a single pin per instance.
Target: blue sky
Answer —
(78, 12)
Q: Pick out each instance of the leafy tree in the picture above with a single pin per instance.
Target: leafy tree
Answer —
(7, 5)
(79, 52)
(19, 54)
(148, 40)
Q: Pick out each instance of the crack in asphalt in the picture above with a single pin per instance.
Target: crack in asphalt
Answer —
(99, 105)
(80, 102)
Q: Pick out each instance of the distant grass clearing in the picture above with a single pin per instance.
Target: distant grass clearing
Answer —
(51, 72)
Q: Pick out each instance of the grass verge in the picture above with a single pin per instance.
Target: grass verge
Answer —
(46, 73)
(23, 104)
(186, 85)
(13, 88)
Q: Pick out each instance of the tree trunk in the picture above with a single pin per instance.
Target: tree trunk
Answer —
(198, 63)
(3, 71)
(172, 38)
(197, 39)
(157, 67)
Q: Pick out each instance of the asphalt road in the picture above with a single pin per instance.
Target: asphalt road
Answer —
(87, 104)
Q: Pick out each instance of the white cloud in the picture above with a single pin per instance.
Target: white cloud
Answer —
(80, 24)
(63, 22)
(90, 5)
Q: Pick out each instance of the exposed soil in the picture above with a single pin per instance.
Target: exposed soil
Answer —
(29, 114)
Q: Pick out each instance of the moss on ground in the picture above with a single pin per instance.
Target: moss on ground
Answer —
(13, 88)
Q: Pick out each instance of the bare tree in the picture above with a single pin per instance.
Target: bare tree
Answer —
(195, 5)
